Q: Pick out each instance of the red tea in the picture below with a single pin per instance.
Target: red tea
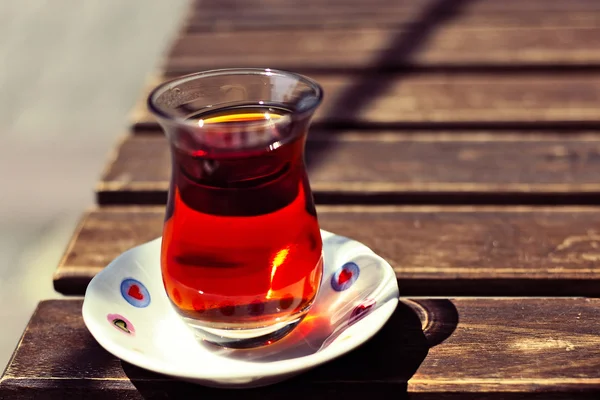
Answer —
(241, 242)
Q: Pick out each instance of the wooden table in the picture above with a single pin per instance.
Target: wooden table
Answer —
(458, 139)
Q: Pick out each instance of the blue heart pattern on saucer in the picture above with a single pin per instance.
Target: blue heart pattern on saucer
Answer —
(345, 277)
(135, 293)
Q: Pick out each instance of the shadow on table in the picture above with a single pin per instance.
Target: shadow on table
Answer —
(366, 88)
(382, 365)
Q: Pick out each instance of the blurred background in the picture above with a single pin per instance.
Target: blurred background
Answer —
(71, 71)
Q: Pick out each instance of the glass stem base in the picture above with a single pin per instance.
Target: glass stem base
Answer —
(240, 338)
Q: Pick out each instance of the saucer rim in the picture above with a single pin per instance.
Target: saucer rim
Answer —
(268, 369)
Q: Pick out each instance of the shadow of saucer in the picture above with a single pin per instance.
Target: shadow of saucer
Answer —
(384, 363)
(439, 318)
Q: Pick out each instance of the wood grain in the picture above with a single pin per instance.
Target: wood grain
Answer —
(445, 251)
(468, 101)
(258, 7)
(391, 167)
(324, 20)
(450, 46)
(444, 349)
(327, 18)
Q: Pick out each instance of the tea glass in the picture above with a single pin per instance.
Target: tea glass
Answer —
(241, 254)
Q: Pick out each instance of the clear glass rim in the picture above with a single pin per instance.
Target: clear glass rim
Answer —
(160, 89)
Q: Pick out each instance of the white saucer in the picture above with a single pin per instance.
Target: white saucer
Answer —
(127, 310)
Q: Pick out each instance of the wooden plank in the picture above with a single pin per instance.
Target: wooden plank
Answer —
(445, 251)
(392, 167)
(450, 46)
(324, 16)
(256, 7)
(474, 100)
(270, 15)
(473, 348)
